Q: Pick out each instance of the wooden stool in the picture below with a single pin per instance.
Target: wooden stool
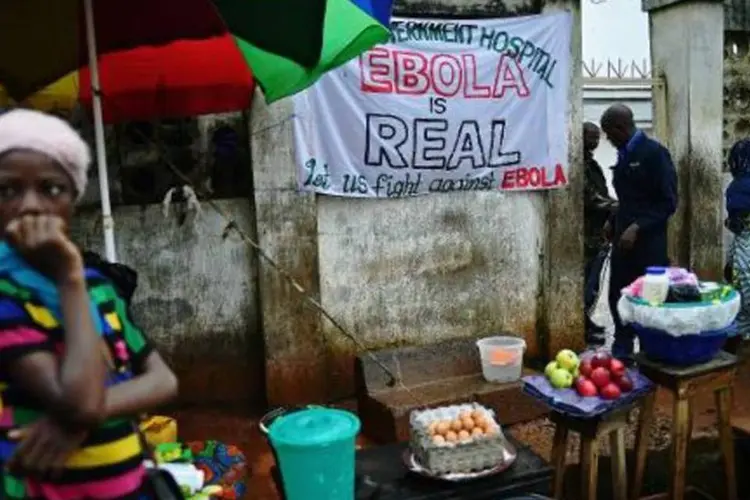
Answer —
(683, 383)
(613, 423)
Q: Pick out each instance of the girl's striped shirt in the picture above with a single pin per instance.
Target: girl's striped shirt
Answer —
(109, 463)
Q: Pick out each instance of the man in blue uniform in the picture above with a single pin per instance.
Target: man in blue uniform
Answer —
(645, 181)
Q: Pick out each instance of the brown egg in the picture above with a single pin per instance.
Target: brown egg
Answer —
(438, 440)
(490, 430)
(443, 427)
(477, 414)
(432, 428)
(480, 421)
(456, 425)
(464, 415)
(451, 437)
(464, 435)
(467, 423)
(477, 431)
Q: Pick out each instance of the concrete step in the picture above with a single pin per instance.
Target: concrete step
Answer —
(433, 375)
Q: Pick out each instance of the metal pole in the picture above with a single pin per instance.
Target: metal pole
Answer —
(101, 151)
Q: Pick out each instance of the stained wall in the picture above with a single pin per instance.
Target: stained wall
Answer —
(412, 271)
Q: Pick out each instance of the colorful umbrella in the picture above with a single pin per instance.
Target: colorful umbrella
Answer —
(287, 43)
(42, 43)
(180, 79)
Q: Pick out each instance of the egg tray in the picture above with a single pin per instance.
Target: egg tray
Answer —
(477, 454)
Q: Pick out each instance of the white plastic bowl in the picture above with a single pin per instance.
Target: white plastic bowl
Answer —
(502, 358)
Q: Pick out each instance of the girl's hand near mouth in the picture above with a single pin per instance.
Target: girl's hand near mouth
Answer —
(43, 241)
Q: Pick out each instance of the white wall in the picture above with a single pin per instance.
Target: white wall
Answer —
(612, 30)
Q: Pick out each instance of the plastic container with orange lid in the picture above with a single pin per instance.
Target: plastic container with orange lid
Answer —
(502, 358)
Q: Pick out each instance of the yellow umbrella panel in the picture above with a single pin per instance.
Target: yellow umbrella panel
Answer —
(63, 95)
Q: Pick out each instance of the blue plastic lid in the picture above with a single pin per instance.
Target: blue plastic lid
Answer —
(314, 427)
(656, 270)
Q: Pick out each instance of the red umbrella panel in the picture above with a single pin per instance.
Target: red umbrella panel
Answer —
(184, 78)
(44, 40)
(180, 79)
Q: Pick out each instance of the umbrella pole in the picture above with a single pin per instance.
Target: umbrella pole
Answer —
(101, 151)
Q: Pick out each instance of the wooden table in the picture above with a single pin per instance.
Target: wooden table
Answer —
(611, 424)
(382, 475)
(384, 467)
(683, 383)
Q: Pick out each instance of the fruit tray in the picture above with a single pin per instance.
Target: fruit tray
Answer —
(568, 401)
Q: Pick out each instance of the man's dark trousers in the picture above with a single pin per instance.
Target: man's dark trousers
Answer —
(650, 249)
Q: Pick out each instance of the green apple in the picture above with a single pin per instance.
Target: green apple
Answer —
(561, 379)
(576, 373)
(567, 360)
(551, 367)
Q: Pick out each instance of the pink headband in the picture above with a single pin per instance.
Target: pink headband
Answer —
(50, 136)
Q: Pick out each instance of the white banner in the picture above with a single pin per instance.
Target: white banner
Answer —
(462, 105)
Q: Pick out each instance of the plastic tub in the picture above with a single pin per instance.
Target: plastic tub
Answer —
(502, 358)
(159, 430)
(315, 451)
(265, 423)
(685, 350)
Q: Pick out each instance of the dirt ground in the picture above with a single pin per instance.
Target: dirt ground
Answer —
(705, 469)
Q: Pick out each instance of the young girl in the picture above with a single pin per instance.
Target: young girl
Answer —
(74, 369)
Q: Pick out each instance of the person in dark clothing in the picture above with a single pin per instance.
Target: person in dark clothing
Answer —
(645, 181)
(737, 269)
(598, 207)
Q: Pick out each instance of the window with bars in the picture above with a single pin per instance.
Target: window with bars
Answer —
(146, 159)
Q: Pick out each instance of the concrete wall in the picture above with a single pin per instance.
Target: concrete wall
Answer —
(196, 297)
(393, 272)
(687, 41)
(411, 271)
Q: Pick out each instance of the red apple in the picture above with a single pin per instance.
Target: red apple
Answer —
(610, 391)
(600, 377)
(616, 367)
(585, 368)
(585, 387)
(624, 383)
(601, 360)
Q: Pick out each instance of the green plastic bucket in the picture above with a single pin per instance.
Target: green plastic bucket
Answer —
(315, 451)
